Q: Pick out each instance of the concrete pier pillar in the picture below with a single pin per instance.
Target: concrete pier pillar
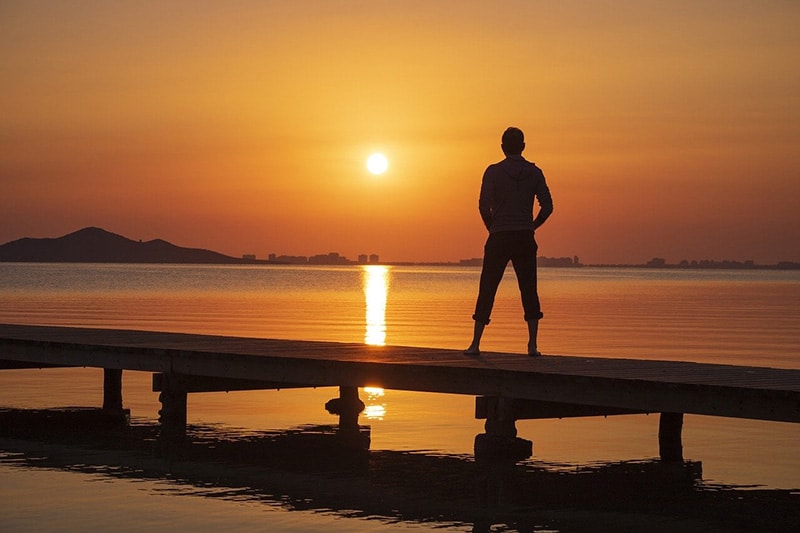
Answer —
(497, 451)
(348, 406)
(172, 415)
(500, 442)
(112, 413)
(112, 389)
(670, 446)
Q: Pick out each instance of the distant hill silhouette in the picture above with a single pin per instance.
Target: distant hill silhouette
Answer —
(95, 245)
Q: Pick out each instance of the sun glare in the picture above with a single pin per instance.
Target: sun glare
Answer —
(377, 164)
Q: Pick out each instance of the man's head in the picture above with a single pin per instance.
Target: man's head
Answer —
(513, 141)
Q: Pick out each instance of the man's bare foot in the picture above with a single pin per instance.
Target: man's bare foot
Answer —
(472, 350)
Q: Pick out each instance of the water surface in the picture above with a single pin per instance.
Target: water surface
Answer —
(733, 317)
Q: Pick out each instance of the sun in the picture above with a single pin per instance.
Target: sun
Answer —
(377, 163)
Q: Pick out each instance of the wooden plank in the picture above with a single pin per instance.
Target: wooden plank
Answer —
(537, 409)
(215, 384)
(22, 365)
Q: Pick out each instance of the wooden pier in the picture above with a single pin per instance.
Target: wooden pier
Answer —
(507, 387)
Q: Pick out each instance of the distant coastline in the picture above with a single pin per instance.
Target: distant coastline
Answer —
(96, 245)
(564, 262)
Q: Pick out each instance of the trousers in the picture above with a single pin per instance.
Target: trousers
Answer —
(520, 248)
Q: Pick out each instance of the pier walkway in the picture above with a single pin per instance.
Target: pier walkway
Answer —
(508, 387)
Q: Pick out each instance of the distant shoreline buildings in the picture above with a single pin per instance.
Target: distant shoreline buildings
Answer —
(334, 258)
(541, 261)
(331, 258)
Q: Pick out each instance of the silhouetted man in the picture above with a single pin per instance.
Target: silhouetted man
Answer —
(506, 201)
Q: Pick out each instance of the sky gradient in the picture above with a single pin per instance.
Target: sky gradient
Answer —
(664, 129)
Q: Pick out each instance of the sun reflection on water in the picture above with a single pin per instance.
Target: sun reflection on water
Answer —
(376, 289)
(374, 409)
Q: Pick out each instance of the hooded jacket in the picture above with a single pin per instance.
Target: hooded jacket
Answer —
(507, 194)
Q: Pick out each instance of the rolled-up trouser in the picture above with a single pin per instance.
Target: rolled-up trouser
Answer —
(519, 247)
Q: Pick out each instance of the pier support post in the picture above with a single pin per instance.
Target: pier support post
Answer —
(112, 412)
(497, 451)
(348, 406)
(500, 440)
(112, 389)
(172, 415)
(670, 446)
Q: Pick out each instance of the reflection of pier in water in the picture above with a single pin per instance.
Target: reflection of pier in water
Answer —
(299, 470)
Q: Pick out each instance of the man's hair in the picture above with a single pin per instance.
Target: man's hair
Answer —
(513, 141)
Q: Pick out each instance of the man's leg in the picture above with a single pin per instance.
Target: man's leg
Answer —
(475, 346)
(495, 260)
(524, 262)
(533, 332)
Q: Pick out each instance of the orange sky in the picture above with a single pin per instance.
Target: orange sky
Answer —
(667, 129)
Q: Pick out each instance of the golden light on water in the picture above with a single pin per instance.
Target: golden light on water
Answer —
(374, 412)
(376, 291)
(374, 409)
(376, 288)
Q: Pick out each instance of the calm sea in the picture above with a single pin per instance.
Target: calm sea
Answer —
(716, 316)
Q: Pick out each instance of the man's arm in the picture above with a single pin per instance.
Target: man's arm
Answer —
(486, 201)
(545, 203)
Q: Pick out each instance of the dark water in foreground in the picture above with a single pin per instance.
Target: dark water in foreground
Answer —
(259, 467)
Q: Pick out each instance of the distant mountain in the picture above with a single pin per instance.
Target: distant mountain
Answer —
(95, 245)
